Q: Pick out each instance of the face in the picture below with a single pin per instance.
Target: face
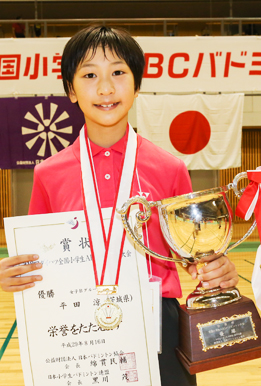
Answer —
(104, 89)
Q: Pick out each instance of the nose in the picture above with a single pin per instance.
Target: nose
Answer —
(106, 87)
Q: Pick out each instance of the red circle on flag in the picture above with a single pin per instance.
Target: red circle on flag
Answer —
(189, 132)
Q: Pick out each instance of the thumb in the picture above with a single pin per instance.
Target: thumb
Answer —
(192, 270)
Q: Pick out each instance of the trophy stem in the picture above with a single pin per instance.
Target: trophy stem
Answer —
(202, 298)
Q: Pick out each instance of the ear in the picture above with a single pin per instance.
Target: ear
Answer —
(136, 93)
(72, 96)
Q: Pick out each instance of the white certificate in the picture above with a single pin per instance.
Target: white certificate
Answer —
(60, 342)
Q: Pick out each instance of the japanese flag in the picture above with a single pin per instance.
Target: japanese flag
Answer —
(204, 131)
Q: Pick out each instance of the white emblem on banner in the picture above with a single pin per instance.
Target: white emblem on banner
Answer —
(46, 129)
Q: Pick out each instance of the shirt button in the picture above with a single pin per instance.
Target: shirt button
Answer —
(107, 153)
(107, 176)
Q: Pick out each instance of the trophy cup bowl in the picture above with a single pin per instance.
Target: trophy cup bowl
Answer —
(194, 225)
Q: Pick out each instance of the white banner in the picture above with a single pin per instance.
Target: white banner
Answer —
(31, 66)
(196, 64)
(203, 130)
(173, 64)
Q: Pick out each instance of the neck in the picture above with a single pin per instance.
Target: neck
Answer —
(107, 136)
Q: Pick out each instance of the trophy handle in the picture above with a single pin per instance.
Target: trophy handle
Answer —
(141, 218)
(238, 193)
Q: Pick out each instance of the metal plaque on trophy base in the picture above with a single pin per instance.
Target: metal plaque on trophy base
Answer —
(218, 327)
(219, 336)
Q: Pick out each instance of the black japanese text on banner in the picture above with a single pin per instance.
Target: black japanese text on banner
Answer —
(173, 64)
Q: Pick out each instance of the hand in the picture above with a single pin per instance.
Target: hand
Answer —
(219, 271)
(10, 271)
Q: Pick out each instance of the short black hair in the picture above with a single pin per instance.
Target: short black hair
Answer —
(89, 39)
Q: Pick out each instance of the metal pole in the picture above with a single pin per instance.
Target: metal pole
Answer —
(230, 15)
(240, 30)
(222, 28)
(45, 29)
(27, 29)
(35, 9)
(210, 14)
(164, 28)
(230, 8)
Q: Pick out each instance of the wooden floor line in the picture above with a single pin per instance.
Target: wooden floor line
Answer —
(7, 340)
(250, 262)
(242, 277)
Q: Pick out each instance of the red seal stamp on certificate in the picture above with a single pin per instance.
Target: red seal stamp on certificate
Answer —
(108, 315)
(132, 376)
(127, 361)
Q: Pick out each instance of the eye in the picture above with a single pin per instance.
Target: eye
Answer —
(90, 75)
(118, 72)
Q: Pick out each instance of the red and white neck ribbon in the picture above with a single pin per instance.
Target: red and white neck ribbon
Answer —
(251, 198)
(106, 249)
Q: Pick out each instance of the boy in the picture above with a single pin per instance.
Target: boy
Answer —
(102, 70)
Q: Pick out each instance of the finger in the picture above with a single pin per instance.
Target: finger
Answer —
(20, 283)
(223, 266)
(216, 268)
(192, 270)
(225, 282)
(226, 274)
(18, 288)
(211, 283)
(213, 266)
(232, 282)
(20, 270)
(14, 281)
(15, 260)
(216, 273)
(209, 258)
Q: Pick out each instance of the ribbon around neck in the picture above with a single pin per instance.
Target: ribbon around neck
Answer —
(251, 199)
(106, 249)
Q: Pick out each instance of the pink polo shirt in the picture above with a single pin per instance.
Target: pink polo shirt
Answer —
(57, 188)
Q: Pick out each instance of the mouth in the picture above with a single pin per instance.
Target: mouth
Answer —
(107, 106)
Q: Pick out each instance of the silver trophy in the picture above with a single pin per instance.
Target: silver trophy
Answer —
(194, 225)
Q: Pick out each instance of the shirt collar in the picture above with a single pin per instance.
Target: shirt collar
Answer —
(118, 146)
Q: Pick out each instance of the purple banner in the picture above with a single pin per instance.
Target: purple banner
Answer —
(34, 128)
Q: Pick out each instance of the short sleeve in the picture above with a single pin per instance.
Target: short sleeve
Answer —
(182, 182)
(39, 203)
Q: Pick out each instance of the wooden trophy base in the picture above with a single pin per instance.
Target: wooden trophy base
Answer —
(218, 337)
